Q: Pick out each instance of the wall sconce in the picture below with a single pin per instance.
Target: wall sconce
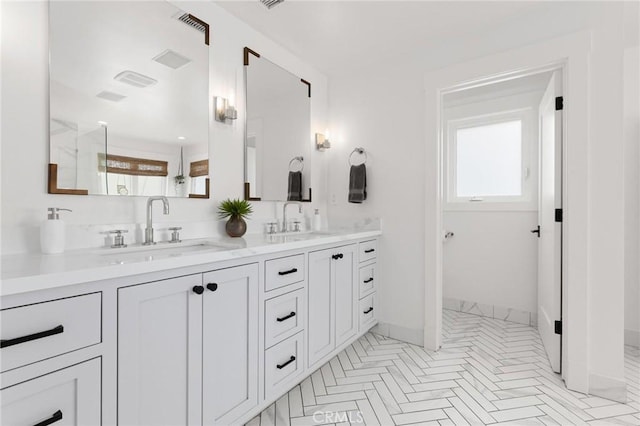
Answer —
(322, 143)
(224, 111)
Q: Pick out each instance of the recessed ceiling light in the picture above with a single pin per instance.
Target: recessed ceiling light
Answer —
(171, 59)
(181, 138)
(135, 79)
(110, 96)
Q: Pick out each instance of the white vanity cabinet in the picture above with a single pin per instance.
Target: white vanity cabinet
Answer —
(368, 304)
(160, 352)
(332, 300)
(230, 344)
(187, 349)
(70, 396)
(198, 340)
(51, 373)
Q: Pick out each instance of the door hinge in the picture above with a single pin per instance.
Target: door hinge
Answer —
(559, 103)
(558, 215)
(558, 327)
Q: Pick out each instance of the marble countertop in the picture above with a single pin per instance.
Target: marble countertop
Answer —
(23, 273)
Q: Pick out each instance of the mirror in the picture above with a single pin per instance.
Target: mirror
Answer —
(278, 136)
(129, 99)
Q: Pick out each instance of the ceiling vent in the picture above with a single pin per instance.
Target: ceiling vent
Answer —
(110, 96)
(271, 3)
(135, 79)
(194, 23)
(172, 59)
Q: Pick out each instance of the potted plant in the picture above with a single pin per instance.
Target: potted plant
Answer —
(236, 211)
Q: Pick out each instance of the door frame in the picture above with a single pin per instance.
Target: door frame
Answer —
(571, 54)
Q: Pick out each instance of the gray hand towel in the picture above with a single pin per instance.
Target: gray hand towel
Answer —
(294, 188)
(358, 183)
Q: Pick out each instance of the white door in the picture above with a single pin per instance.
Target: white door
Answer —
(160, 352)
(230, 344)
(550, 201)
(70, 396)
(345, 294)
(320, 326)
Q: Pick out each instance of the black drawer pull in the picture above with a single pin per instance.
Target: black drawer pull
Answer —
(212, 286)
(290, 271)
(337, 256)
(291, 315)
(281, 366)
(368, 310)
(56, 416)
(198, 289)
(369, 250)
(368, 280)
(10, 342)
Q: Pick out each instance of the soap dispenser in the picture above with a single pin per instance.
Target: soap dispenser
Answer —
(52, 232)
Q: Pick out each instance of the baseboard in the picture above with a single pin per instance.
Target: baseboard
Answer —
(632, 338)
(608, 388)
(491, 311)
(404, 334)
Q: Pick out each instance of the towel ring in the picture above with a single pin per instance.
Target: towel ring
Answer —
(300, 160)
(360, 151)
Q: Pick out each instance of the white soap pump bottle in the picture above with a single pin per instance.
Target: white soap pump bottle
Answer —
(52, 232)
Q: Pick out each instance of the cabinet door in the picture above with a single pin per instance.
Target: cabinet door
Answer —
(230, 343)
(346, 294)
(70, 396)
(320, 325)
(160, 353)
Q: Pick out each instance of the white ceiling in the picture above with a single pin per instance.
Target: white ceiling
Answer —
(346, 36)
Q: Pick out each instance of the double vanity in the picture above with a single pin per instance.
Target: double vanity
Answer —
(201, 332)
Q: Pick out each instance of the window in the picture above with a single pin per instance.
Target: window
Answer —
(488, 160)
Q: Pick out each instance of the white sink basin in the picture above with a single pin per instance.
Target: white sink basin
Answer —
(283, 237)
(139, 253)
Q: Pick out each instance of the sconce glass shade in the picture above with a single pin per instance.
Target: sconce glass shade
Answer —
(322, 143)
(224, 111)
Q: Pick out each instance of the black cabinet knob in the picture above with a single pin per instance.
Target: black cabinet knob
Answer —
(337, 256)
(198, 289)
(212, 286)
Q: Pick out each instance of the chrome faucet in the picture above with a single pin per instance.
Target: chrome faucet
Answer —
(284, 213)
(148, 232)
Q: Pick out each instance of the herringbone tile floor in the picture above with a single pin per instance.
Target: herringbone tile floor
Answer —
(487, 372)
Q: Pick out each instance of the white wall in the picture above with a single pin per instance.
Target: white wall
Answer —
(632, 192)
(492, 259)
(384, 111)
(25, 139)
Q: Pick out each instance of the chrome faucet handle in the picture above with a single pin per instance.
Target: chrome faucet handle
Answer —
(175, 235)
(118, 239)
(296, 226)
(271, 227)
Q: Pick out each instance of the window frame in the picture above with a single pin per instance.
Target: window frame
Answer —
(528, 199)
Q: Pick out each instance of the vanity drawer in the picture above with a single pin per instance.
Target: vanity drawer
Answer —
(368, 250)
(367, 278)
(283, 271)
(368, 306)
(70, 396)
(35, 332)
(282, 364)
(284, 317)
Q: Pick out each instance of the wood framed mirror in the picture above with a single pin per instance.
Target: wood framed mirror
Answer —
(129, 99)
(278, 141)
